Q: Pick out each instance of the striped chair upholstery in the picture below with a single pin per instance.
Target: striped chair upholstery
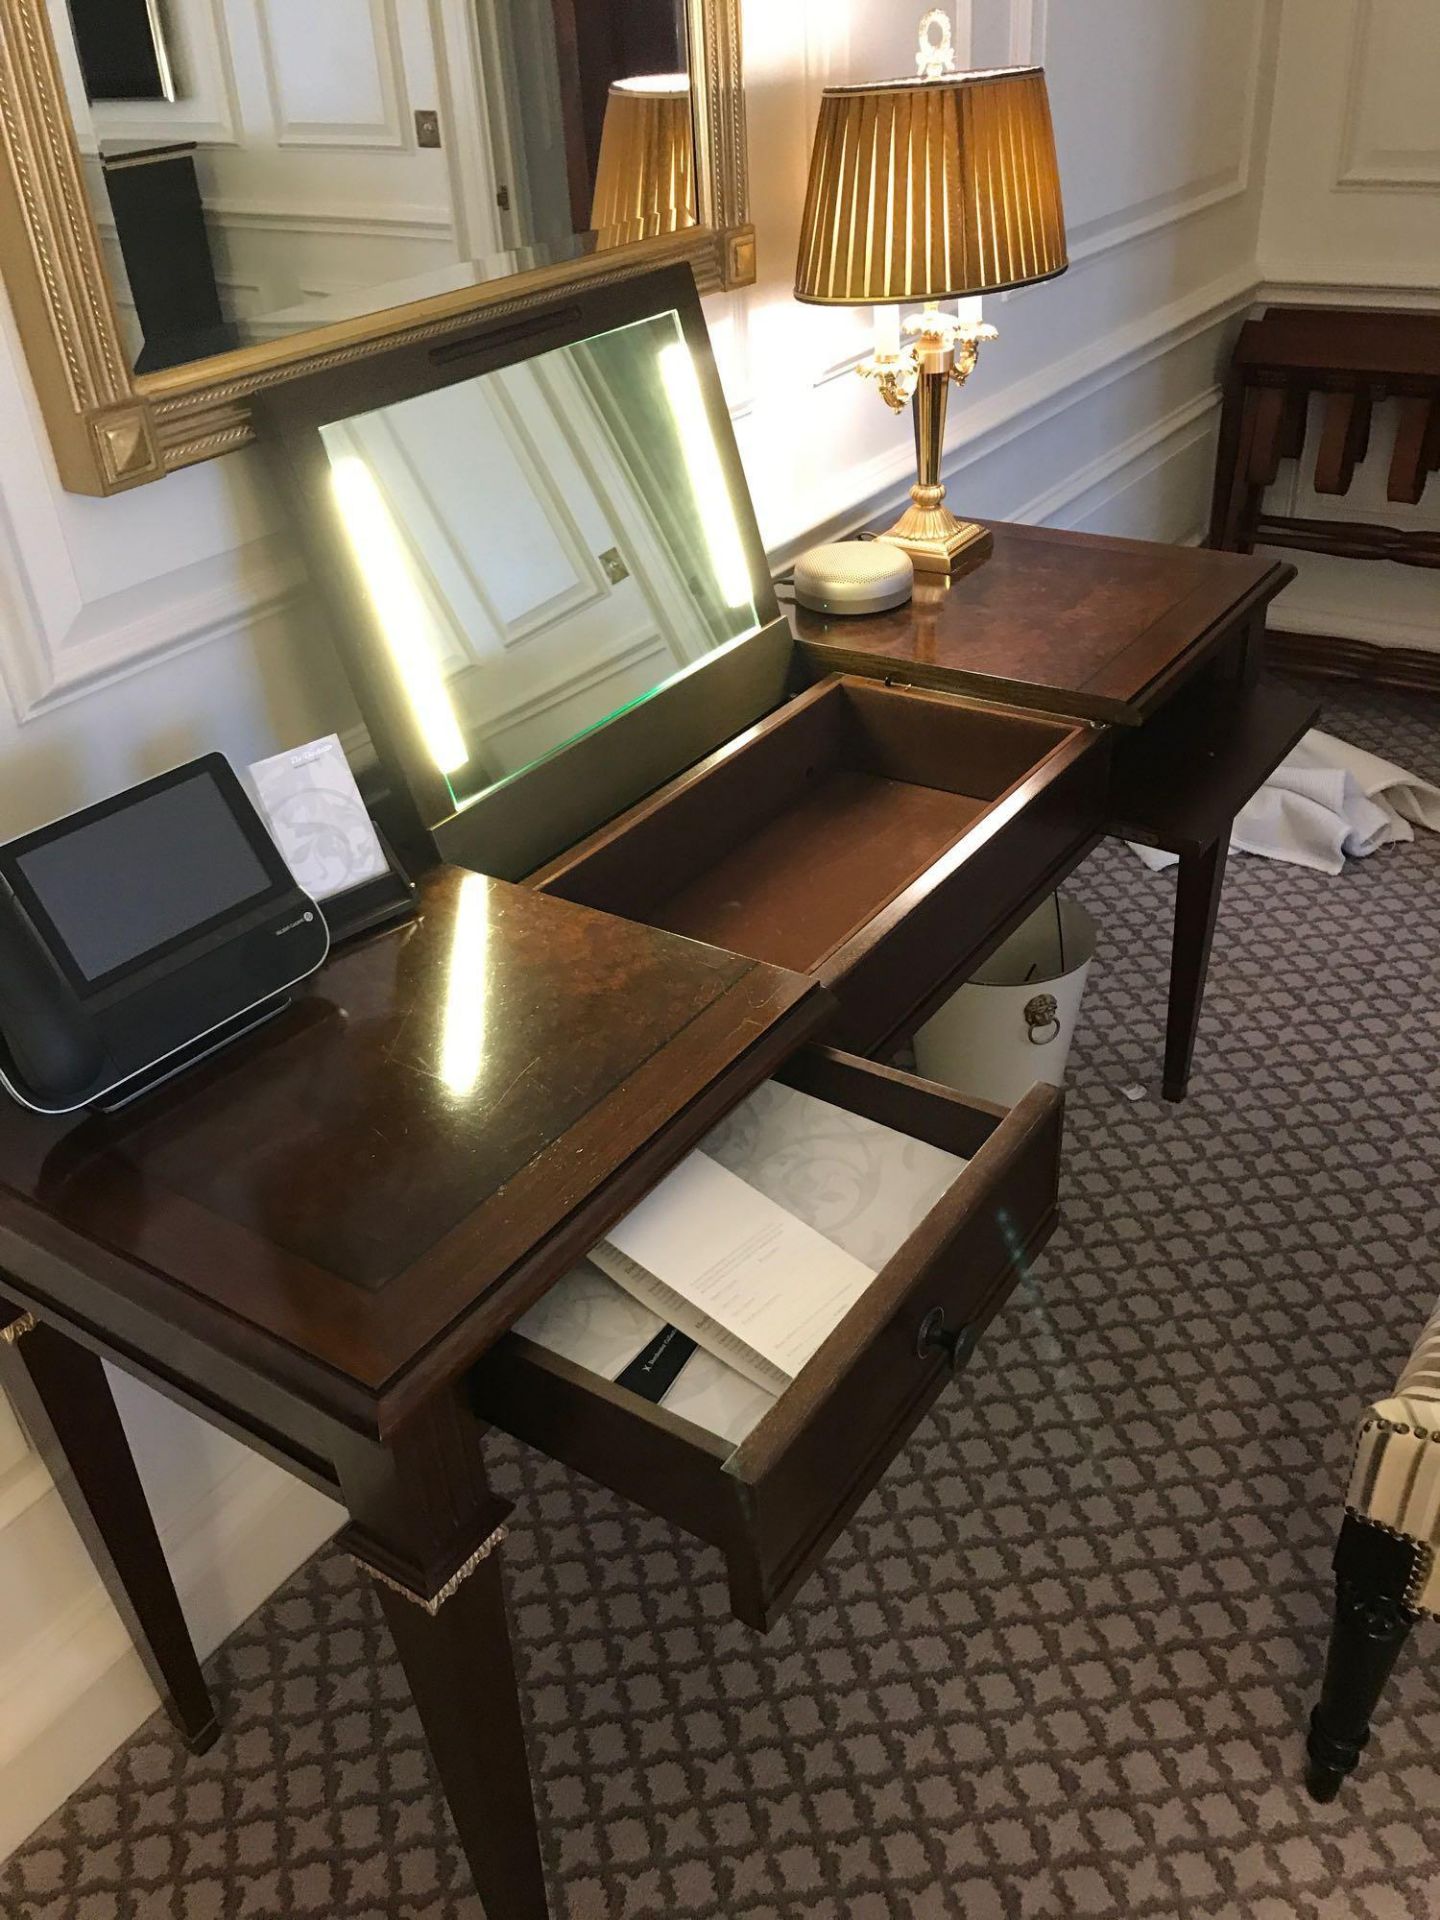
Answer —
(1396, 1479)
(1387, 1562)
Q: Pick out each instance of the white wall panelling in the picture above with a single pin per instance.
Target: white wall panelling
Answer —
(1390, 137)
(1029, 20)
(1352, 218)
(1190, 138)
(329, 84)
(1354, 157)
(313, 181)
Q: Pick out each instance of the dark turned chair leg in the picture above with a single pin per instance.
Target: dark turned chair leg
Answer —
(1200, 879)
(1372, 1624)
(61, 1394)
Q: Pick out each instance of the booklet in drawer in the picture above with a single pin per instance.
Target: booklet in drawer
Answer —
(947, 1198)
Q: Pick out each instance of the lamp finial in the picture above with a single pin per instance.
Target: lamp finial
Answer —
(936, 57)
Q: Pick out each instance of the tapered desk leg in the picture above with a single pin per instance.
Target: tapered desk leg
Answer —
(1201, 877)
(63, 1398)
(426, 1526)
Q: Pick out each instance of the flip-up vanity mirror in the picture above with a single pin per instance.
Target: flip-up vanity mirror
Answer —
(200, 198)
(553, 599)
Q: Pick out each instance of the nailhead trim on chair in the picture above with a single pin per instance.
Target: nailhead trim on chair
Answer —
(1424, 1560)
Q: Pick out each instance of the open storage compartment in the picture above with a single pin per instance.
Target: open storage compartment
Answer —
(867, 833)
(774, 1502)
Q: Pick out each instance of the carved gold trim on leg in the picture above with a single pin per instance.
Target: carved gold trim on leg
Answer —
(452, 1586)
(17, 1329)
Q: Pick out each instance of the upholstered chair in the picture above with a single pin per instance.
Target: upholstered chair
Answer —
(1387, 1562)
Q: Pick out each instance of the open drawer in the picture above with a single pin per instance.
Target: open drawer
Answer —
(774, 1502)
(879, 837)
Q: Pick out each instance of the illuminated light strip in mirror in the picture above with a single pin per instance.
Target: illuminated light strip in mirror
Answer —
(707, 476)
(462, 1039)
(384, 566)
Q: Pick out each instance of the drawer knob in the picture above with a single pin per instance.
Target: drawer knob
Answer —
(935, 1337)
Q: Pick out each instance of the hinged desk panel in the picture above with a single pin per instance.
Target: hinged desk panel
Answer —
(1074, 623)
(366, 1177)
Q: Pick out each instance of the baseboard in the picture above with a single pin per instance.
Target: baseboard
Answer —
(1332, 657)
(73, 1694)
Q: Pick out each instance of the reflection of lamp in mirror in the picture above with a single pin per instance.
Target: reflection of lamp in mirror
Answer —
(404, 621)
(926, 190)
(645, 176)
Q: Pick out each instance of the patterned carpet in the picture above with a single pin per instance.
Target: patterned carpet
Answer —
(1059, 1664)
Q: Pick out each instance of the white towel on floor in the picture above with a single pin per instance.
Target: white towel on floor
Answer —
(1326, 802)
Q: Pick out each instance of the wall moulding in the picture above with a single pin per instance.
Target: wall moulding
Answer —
(60, 648)
(1092, 239)
(1029, 23)
(111, 429)
(1357, 286)
(388, 130)
(1364, 166)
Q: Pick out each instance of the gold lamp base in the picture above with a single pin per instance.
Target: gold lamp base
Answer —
(934, 539)
(944, 353)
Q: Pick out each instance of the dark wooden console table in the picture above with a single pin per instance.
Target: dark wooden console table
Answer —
(318, 1240)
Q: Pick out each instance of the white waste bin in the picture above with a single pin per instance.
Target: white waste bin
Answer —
(1012, 1022)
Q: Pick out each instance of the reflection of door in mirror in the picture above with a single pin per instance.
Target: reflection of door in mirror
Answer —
(543, 545)
(294, 164)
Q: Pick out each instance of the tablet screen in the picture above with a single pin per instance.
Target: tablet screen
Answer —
(121, 885)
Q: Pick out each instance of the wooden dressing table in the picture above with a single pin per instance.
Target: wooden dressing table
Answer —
(320, 1239)
(314, 1240)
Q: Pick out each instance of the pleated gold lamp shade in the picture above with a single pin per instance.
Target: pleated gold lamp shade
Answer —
(930, 189)
(927, 190)
(645, 176)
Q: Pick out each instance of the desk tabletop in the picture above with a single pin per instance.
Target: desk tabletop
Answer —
(382, 1178)
(1077, 623)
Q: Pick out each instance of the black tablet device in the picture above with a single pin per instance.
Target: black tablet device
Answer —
(140, 931)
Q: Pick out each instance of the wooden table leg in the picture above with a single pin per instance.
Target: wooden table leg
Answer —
(426, 1526)
(1200, 880)
(63, 1398)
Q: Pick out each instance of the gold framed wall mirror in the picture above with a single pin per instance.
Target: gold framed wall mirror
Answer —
(203, 199)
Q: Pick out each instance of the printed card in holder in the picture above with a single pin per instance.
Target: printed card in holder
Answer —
(323, 828)
(732, 1269)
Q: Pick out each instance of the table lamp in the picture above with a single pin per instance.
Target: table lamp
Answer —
(926, 190)
(645, 175)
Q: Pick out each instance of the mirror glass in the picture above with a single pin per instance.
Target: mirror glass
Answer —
(544, 545)
(261, 167)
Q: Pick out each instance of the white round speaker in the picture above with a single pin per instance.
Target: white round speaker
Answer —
(854, 576)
